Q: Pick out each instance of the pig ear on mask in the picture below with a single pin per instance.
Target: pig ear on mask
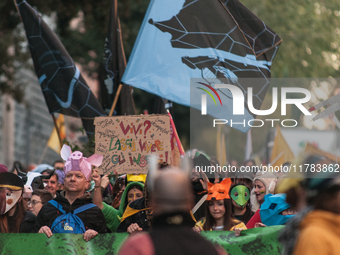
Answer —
(65, 152)
(95, 160)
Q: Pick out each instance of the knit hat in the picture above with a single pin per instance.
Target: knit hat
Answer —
(269, 181)
(3, 168)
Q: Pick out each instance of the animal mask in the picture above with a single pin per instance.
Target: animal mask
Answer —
(272, 208)
(11, 187)
(76, 162)
(219, 191)
(240, 194)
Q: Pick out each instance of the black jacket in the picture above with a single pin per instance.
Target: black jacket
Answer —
(27, 223)
(172, 234)
(139, 217)
(92, 218)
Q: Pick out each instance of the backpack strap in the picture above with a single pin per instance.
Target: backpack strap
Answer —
(83, 208)
(57, 205)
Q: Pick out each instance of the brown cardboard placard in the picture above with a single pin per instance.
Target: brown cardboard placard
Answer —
(127, 141)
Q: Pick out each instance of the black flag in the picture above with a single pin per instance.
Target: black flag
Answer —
(62, 84)
(114, 67)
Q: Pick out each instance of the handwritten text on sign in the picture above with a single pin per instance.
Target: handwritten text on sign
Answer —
(126, 142)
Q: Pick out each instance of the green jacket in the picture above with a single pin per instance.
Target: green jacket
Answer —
(112, 215)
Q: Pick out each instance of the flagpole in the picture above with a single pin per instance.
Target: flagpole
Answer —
(115, 100)
(57, 128)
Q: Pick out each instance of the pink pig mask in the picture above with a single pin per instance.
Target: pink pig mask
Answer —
(76, 162)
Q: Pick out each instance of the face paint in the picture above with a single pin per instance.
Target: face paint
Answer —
(134, 194)
(8, 199)
(240, 194)
(132, 197)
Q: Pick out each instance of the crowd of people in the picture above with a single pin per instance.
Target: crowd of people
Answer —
(165, 211)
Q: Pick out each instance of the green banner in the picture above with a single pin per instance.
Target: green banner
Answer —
(253, 241)
(63, 244)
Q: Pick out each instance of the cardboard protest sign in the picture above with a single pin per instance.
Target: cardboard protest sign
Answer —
(127, 141)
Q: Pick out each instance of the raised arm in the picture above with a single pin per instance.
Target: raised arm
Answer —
(97, 194)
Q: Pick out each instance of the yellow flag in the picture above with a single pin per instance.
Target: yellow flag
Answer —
(53, 141)
(310, 149)
(281, 151)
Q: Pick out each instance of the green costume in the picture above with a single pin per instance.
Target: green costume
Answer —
(112, 215)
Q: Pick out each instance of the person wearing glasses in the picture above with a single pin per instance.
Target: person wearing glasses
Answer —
(39, 198)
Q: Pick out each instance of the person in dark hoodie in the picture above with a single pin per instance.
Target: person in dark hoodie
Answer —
(132, 192)
(77, 173)
(138, 214)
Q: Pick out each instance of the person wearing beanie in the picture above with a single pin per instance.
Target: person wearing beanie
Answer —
(264, 183)
(72, 199)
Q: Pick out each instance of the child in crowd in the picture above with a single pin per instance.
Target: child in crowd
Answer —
(219, 210)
